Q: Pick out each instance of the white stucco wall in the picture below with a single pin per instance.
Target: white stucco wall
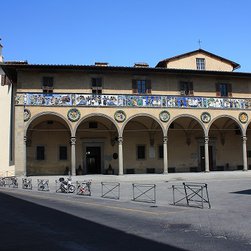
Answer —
(6, 167)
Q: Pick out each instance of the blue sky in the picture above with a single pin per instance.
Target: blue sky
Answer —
(124, 32)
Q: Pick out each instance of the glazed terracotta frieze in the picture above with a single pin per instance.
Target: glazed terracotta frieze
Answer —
(144, 101)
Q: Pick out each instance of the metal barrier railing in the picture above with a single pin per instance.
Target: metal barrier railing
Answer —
(84, 187)
(191, 194)
(110, 190)
(27, 183)
(144, 193)
(43, 185)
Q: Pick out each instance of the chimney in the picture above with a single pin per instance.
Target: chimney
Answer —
(1, 56)
(141, 64)
(101, 64)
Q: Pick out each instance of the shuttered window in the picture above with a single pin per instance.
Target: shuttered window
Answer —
(141, 86)
(223, 90)
(186, 88)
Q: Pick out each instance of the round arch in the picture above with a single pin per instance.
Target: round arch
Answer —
(143, 115)
(44, 114)
(226, 116)
(187, 116)
(95, 115)
(246, 127)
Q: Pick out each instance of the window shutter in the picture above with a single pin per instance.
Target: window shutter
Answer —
(148, 86)
(229, 89)
(182, 86)
(3, 80)
(217, 90)
(134, 86)
(191, 88)
(99, 82)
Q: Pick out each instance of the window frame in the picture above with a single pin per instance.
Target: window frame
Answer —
(200, 64)
(38, 159)
(186, 88)
(49, 86)
(97, 87)
(228, 87)
(59, 155)
(137, 152)
(159, 152)
(137, 82)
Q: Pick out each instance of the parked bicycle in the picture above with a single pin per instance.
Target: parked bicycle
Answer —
(66, 186)
(43, 185)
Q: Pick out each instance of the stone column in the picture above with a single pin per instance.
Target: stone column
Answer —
(244, 153)
(25, 156)
(73, 156)
(120, 141)
(206, 155)
(165, 139)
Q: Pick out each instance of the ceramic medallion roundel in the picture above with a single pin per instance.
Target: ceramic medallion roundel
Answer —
(164, 116)
(243, 117)
(120, 116)
(73, 115)
(205, 117)
(27, 114)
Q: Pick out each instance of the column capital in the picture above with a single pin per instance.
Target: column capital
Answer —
(206, 139)
(25, 139)
(165, 139)
(244, 138)
(73, 140)
(120, 140)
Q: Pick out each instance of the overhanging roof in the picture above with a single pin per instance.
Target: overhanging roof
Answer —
(11, 70)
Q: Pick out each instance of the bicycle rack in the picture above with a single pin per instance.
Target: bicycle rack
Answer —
(194, 194)
(84, 188)
(27, 183)
(110, 190)
(144, 193)
(43, 185)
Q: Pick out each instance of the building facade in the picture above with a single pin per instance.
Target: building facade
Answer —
(190, 113)
(6, 156)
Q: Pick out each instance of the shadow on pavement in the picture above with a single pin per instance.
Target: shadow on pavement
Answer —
(28, 226)
(247, 192)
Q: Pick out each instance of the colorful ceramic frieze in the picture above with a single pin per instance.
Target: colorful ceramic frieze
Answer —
(104, 100)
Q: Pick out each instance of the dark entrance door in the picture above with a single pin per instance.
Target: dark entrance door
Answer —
(93, 160)
(202, 158)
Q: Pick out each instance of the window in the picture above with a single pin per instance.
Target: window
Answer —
(249, 154)
(93, 124)
(141, 152)
(223, 90)
(141, 86)
(186, 88)
(200, 63)
(47, 84)
(62, 152)
(161, 152)
(96, 85)
(40, 153)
